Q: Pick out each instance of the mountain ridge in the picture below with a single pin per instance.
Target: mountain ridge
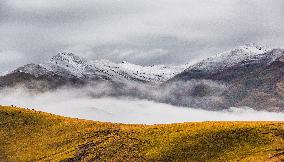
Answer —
(231, 57)
(255, 82)
(69, 65)
(249, 75)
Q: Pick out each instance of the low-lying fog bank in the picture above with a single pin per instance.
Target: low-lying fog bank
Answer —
(74, 103)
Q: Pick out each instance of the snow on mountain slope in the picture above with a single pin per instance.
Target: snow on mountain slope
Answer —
(66, 64)
(155, 73)
(70, 65)
(230, 58)
(34, 69)
(158, 73)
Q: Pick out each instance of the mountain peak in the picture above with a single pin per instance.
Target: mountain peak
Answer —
(69, 58)
(34, 69)
(244, 50)
(230, 58)
(254, 48)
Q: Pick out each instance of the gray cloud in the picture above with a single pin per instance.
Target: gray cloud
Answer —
(139, 31)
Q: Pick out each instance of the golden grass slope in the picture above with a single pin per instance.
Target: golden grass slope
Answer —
(27, 135)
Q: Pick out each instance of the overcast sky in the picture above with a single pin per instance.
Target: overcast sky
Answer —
(139, 31)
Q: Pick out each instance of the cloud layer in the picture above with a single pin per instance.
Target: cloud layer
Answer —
(139, 31)
(77, 104)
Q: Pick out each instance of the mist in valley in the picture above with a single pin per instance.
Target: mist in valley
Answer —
(103, 102)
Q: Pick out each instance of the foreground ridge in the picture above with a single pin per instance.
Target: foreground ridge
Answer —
(29, 135)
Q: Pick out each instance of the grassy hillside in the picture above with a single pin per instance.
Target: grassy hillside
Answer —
(27, 135)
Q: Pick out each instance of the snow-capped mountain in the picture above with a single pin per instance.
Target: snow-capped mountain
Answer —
(69, 65)
(239, 58)
(231, 58)
(249, 75)
(253, 77)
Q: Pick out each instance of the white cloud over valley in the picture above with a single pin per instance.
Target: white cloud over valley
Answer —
(75, 103)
